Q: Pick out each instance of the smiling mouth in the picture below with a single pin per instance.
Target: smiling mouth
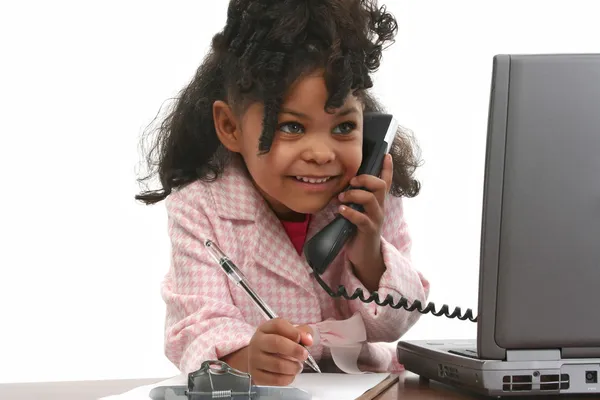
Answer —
(306, 179)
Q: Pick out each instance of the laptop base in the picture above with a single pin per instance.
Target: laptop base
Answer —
(441, 361)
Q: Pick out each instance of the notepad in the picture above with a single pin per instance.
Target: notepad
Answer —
(142, 392)
(337, 386)
(320, 386)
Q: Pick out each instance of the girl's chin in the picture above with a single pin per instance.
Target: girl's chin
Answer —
(310, 206)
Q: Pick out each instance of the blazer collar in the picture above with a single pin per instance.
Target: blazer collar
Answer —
(235, 195)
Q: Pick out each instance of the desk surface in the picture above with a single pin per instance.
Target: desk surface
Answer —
(409, 387)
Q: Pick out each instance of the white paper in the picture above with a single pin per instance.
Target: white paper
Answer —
(337, 386)
(320, 386)
(143, 392)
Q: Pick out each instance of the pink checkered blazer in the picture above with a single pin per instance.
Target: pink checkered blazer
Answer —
(209, 317)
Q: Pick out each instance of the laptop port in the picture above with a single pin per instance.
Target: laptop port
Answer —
(591, 376)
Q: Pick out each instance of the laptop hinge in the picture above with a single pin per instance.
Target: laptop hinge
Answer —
(533, 355)
(581, 352)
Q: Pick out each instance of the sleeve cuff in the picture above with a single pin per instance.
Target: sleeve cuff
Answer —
(216, 344)
(398, 280)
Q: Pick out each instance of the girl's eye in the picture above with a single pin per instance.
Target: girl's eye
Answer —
(293, 128)
(345, 128)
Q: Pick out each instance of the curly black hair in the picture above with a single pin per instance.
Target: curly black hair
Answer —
(266, 46)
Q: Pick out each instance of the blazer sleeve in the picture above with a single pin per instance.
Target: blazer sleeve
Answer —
(202, 323)
(383, 323)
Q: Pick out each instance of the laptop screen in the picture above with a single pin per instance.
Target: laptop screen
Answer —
(543, 223)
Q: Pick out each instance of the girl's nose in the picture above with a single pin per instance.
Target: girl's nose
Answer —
(319, 153)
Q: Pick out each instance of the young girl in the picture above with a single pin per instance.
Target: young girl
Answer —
(254, 156)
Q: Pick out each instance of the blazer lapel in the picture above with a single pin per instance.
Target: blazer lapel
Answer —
(275, 252)
(236, 198)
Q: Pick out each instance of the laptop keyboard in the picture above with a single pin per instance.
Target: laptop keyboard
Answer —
(471, 353)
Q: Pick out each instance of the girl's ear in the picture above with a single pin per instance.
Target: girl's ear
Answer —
(227, 126)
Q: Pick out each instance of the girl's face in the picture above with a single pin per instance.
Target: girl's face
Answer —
(314, 154)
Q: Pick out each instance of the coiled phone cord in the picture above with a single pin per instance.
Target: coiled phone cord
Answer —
(403, 303)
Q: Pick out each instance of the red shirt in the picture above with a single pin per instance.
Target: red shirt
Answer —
(296, 231)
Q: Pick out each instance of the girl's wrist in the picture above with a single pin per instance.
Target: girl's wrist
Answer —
(370, 273)
(238, 360)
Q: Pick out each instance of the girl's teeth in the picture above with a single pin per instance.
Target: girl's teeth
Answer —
(312, 180)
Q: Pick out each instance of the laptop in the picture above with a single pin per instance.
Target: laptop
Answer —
(538, 323)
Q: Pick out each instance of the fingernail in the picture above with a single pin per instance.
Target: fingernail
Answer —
(342, 208)
(305, 355)
(341, 196)
(309, 336)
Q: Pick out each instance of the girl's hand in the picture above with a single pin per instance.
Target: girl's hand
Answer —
(275, 356)
(364, 250)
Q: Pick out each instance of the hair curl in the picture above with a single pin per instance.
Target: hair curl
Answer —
(265, 46)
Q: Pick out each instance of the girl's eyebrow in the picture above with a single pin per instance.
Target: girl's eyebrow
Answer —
(344, 112)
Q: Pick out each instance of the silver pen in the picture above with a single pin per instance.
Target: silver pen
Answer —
(239, 279)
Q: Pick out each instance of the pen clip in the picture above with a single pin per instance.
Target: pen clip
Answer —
(224, 262)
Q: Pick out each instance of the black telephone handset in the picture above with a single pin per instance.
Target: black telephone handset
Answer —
(379, 131)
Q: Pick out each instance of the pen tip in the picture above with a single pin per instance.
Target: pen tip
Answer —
(313, 364)
(207, 242)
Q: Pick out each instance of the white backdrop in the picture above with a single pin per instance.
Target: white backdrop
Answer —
(81, 261)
